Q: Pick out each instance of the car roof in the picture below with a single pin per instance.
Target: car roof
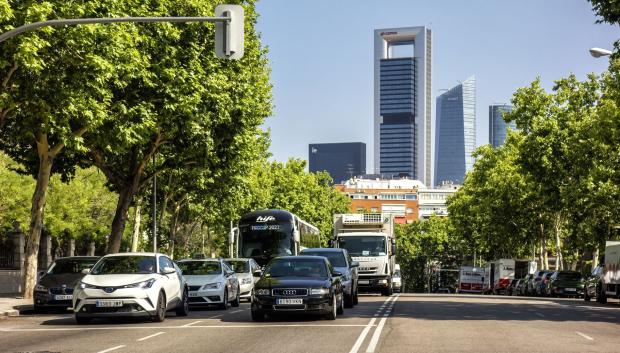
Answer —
(200, 260)
(135, 254)
(301, 257)
(68, 258)
(323, 250)
(237, 259)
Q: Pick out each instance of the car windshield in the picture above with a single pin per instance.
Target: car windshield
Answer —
(239, 266)
(296, 268)
(570, 276)
(336, 258)
(397, 274)
(70, 266)
(364, 245)
(200, 268)
(125, 265)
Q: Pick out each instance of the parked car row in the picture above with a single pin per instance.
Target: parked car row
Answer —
(323, 281)
(549, 284)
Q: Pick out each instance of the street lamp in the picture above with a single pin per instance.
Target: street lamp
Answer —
(598, 52)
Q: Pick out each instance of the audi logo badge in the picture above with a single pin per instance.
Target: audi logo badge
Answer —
(108, 289)
(289, 292)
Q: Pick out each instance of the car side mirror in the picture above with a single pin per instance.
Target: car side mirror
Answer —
(355, 264)
(168, 270)
(229, 273)
(86, 271)
(336, 274)
(393, 249)
(257, 273)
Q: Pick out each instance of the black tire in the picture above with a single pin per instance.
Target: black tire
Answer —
(183, 307)
(586, 296)
(235, 303)
(224, 304)
(348, 300)
(355, 298)
(601, 297)
(258, 316)
(333, 313)
(81, 320)
(340, 310)
(160, 311)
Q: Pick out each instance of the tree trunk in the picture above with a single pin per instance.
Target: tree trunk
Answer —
(136, 226)
(543, 249)
(36, 221)
(557, 228)
(125, 197)
(595, 256)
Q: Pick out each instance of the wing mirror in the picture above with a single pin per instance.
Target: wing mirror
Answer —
(355, 264)
(86, 271)
(257, 273)
(229, 273)
(168, 270)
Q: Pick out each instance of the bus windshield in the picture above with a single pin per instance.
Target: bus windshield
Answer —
(364, 245)
(262, 241)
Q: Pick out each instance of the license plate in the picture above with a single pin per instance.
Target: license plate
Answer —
(290, 301)
(109, 303)
(570, 289)
(193, 294)
(63, 297)
(363, 282)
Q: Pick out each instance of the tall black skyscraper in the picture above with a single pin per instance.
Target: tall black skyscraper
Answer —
(341, 160)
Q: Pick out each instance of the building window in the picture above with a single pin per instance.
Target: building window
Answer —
(409, 210)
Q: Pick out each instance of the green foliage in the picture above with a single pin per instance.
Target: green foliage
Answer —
(15, 194)
(608, 10)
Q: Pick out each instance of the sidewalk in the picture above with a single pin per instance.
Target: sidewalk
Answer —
(11, 305)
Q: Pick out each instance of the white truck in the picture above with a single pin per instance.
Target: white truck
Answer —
(499, 273)
(369, 239)
(610, 280)
(471, 279)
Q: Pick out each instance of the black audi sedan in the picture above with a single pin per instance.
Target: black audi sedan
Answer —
(298, 284)
(55, 286)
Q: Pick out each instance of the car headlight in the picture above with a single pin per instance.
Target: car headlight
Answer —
(144, 284)
(384, 281)
(262, 292)
(246, 281)
(345, 277)
(319, 291)
(86, 285)
(40, 288)
(215, 285)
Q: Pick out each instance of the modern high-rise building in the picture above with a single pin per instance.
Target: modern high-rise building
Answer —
(497, 125)
(455, 138)
(341, 160)
(402, 104)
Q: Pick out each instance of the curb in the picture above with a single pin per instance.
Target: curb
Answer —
(16, 311)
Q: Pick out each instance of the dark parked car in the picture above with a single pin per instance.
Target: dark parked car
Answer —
(522, 286)
(55, 286)
(511, 289)
(592, 285)
(565, 283)
(541, 286)
(298, 284)
(342, 263)
(533, 287)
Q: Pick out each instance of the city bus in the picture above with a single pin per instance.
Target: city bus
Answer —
(263, 235)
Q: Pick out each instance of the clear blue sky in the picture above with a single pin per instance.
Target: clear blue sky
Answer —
(321, 54)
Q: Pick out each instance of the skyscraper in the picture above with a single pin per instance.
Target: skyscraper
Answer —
(402, 106)
(341, 160)
(497, 126)
(455, 139)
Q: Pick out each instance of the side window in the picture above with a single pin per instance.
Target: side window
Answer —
(162, 263)
(329, 267)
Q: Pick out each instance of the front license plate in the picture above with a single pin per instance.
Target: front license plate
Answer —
(290, 301)
(570, 289)
(109, 303)
(193, 294)
(363, 282)
(63, 297)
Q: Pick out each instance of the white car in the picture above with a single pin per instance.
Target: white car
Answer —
(210, 281)
(245, 269)
(131, 284)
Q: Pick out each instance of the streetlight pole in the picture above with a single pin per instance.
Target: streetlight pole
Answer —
(154, 207)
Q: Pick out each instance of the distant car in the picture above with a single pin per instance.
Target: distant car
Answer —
(511, 289)
(565, 283)
(244, 270)
(541, 287)
(397, 281)
(342, 263)
(592, 284)
(534, 284)
(131, 284)
(298, 284)
(211, 281)
(521, 288)
(55, 286)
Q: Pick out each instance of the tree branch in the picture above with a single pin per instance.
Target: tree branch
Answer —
(5, 82)
(56, 149)
(98, 161)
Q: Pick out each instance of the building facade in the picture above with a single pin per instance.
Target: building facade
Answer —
(497, 125)
(433, 201)
(341, 160)
(455, 139)
(402, 103)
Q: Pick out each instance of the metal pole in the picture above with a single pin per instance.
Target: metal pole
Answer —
(154, 207)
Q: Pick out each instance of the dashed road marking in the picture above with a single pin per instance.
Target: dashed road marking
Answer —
(236, 311)
(389, 304)
(192, 323)
(111, 328)
(584, 336)
(112, 349)
(150, 336)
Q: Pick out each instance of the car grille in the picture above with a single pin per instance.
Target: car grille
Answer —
(56, 290)
(290, 292)
(194, 288)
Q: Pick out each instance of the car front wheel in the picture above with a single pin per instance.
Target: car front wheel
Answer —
(183, 308)
(160, 311)
(333, 312)
(258, 315)
(235, 303)
(224, 304)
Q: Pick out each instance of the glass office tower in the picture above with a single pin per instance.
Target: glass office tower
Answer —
(455, 139)
(497, 125)
(402, 107)
(342, 161)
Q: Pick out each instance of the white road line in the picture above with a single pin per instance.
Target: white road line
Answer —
(112, 349)
(173, 327)
(375, 336)
(192, 323)
(236, 311)
(362, 336)
(213, 317)
(584, 336)
(151, 336)
(539, 314)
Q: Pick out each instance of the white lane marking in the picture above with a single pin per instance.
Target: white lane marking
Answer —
(371, 323)
(112, 349)
(213, 317)
(173, 327)
(375, 336)
(539, 314)
(584, 336)
(236, 311)
(362, 336)
(151, 336)
(192, 323)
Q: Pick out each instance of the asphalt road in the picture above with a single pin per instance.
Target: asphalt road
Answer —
(401, 323)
